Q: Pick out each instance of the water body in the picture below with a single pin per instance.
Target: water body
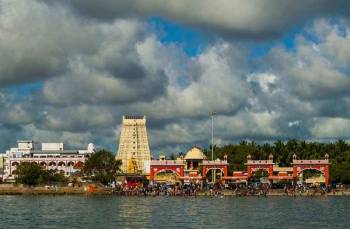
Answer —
(173, 212)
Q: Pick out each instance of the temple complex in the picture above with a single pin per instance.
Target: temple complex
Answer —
(133, 148)
(193, 167)
(276, 173)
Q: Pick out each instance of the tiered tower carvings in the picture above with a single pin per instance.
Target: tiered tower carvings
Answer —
(133, 149)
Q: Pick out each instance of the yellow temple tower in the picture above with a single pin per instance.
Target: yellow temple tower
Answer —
(133, 148)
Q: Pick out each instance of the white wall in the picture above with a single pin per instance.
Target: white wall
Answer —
(52, 146)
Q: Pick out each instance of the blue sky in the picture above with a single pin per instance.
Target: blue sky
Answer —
(271, 70)
(191, 40)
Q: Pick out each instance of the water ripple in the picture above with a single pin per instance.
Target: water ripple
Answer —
(175, 212)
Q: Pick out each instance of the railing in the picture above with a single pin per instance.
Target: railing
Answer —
(46, 159)
(257, 162)
(307, 162)
(167, 162)
(214, 163)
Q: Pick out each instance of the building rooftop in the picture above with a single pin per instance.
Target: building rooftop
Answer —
(195, 154)
(54, 151)
(134, 117)
(22, 141)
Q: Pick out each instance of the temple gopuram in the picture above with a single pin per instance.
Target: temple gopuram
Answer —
(133, 148)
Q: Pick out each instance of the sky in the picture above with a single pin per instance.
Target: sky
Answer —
(270, 69)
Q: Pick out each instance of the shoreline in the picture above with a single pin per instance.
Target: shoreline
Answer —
(103, 191)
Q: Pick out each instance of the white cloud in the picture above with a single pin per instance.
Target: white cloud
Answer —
(72, 140)
(220, 86)
(331, 128)
(95, 71)
(312, 73)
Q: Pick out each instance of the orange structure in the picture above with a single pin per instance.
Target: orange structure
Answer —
(238, 177)
(90, 188)
(193, 167)
(215, 165)
(176, 166)
(288, 173)
(255, 165)
(320, 165)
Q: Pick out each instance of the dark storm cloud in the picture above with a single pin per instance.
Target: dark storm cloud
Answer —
(102, 89)
(79, 61)
(128, 70)
(7, 135)
(257, 19)
(27, 69)
(333, 108)
(35, 43)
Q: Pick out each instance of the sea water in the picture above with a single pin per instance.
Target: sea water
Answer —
(173, 212)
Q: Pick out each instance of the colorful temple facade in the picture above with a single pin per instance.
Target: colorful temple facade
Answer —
(195, 167)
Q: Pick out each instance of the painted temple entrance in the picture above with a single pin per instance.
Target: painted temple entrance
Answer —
(217, 168)
(168, 176)
(299, 166)
(160, 169)
(256, 165)
(288, 173)
(193, 167)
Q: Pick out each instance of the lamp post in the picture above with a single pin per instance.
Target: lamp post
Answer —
(212, 143)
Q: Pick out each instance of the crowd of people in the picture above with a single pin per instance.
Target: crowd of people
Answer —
(159, 189)
(217, 189)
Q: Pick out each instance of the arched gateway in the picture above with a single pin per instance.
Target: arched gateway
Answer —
(320, 165)
(215, 165)
(177, 166)
(255, 165)
(298, 167)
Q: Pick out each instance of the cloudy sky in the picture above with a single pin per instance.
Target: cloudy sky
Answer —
(270, 69)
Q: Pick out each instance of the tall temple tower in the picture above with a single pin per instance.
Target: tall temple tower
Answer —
(133, 149)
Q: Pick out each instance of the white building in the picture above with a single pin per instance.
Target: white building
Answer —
(50, 156)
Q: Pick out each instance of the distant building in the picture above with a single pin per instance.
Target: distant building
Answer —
(133, 148)
(50, 156)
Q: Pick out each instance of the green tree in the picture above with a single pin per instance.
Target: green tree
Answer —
(172, 156)
(33, 174)
(28, 173)
(102, 167)
(259, 174)
(51, 176)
